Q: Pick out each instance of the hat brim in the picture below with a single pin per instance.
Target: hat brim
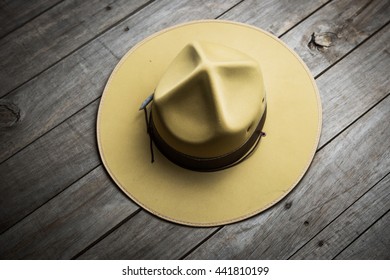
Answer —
(292, 128)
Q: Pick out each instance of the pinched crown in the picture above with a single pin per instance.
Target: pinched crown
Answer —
(209, 101)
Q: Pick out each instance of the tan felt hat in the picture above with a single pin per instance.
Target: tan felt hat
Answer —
(231, 121)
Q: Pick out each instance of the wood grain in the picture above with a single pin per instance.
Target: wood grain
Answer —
(43, 41)
(51, 164)
(363, 75)
(137, 239)
(374, 244)
(70, 221)
(268, 14)
(340, 173)
(56, 95)
(349, 225)
(342, 25)
(15, 13)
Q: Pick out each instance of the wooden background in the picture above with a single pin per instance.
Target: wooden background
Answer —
(56, 199)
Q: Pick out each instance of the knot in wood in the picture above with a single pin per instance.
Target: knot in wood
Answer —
(9, 114)
(322, 41)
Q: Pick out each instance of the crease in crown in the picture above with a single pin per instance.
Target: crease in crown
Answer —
(209, 99)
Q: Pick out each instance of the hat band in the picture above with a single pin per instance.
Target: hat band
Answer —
(208, 164)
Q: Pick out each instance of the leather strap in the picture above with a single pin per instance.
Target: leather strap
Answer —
(208, 164)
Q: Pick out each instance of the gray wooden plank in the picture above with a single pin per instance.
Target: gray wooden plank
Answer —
(349, 225)
(42, 170)
(15, 13)
(83, 212)
(268, 14)
(138, 240)
(374, 244)
(55, 96)
(337, 29)
(41, 42)
(340, 173)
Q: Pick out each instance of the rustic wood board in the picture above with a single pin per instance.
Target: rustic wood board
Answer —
(362, 152)
(15, 13)
(354, 221)
(44, 40)
(271, 15)
(69, 222)
(47, 167)
(337, 28)
(373, 244)
(141, 242)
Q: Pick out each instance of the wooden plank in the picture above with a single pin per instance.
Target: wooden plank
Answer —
(138, 240)
(374, 244)
(44, 169)
(340, 173)
(268, 14)
(43, 41)
(83, 212)
(62, 92)
(72, 148)
(15, 13)
(349, 225)
(336, 29)
(46, 101)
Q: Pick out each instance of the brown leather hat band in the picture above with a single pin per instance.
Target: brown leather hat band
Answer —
(207, 164)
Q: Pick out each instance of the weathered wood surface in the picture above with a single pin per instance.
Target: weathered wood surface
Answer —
(347, 227)
(373, 244)
(51, 165)
(328, 35)
(44, 40)
(72, 141)
(85, 211)
(15, 13)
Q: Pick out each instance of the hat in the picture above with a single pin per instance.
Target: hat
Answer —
(230, 122)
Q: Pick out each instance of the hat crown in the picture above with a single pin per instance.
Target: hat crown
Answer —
(209, 100)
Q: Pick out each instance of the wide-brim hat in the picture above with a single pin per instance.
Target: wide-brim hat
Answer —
(269, 170)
